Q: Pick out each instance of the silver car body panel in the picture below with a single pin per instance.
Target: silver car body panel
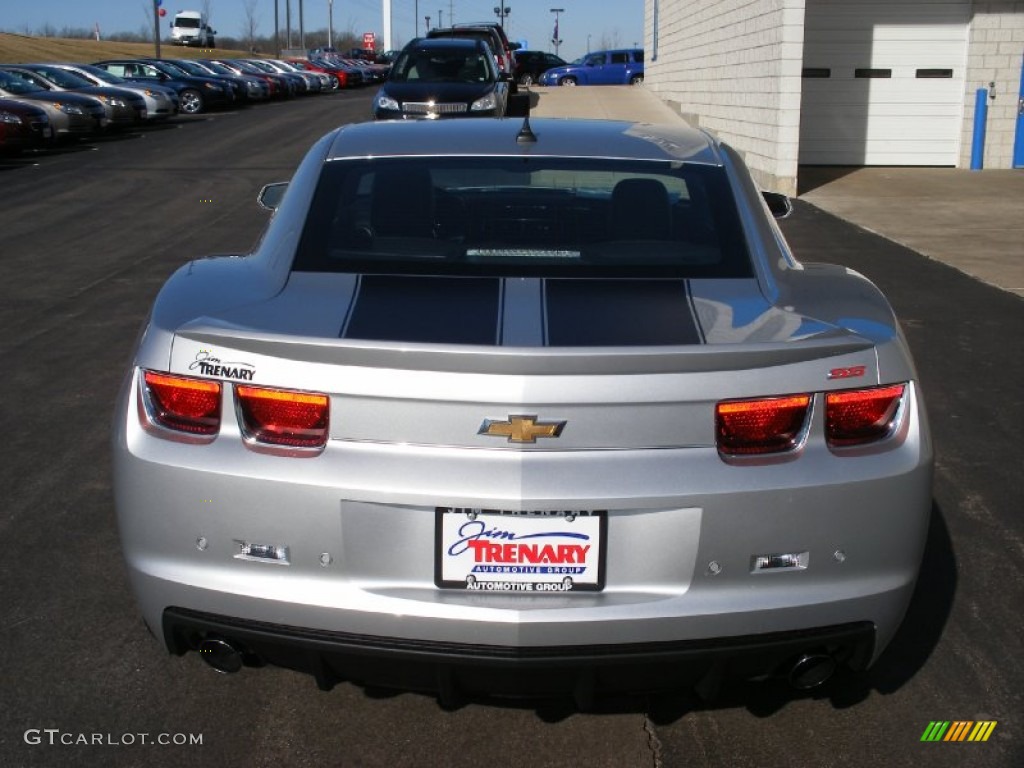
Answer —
(683, 525)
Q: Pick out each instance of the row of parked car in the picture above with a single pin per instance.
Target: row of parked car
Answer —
(467, 72)
(46, 102)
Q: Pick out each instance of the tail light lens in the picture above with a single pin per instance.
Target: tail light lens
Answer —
(755, 427)
(182, 403)
(859, 416)
(283, 417)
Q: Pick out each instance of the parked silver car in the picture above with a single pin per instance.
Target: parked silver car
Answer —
(71, 114)
(505, 404)
(161, 102)
(122, 108)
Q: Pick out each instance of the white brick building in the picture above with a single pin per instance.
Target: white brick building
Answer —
(842, 82)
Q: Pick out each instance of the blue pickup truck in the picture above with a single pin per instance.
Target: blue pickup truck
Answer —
(620, 67)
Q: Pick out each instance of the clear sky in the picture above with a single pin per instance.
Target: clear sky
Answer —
(612, 22)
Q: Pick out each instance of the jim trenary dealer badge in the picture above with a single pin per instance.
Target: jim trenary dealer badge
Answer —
(487, 550)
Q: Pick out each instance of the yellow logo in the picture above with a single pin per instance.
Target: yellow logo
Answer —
(521, 428)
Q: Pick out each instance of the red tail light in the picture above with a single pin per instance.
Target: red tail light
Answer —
(283, 417)
(767, 425)
(859, 416)
(182, 403)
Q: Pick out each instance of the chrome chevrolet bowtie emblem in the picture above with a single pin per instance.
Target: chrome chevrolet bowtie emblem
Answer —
(521, 429)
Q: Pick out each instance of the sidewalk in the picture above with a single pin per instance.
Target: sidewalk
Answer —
(971, 220)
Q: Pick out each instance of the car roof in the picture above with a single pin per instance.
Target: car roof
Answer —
(448, 43)
(443, 42)
(479, 24)
(467, 30)
(558, 137)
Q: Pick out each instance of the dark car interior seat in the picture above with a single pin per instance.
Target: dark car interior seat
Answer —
(640, 211)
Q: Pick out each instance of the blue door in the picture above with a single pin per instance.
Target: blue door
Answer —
(1018, 141)
(596, 66)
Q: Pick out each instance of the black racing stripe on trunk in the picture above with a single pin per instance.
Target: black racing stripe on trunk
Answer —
(436, 310)
(598, 313)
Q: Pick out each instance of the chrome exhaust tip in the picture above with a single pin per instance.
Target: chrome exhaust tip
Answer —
(811, 670)
(223, 655)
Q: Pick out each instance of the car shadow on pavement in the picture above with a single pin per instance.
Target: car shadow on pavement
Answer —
(29, 157)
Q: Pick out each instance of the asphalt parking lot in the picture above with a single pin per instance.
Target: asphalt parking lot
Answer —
(90, 234)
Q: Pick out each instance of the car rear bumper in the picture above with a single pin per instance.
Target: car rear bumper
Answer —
(466, 668)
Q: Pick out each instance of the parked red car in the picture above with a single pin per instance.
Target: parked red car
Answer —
(23, 126)
(309, 66)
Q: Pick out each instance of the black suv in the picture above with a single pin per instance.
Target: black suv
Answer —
(491, 33)
(530, 65)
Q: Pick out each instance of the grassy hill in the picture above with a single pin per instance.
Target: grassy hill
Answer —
(21, 48)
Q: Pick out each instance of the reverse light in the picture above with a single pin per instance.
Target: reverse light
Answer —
(789, 561)
(182, 403)
(283, 417)
(859, 416)
(762, 426)
(262, 553)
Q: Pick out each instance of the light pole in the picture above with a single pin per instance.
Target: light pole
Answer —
(277, 30)
(427, 28)
(502, 11)
(288, 22)
(555, 39)
(156, 27)
(330, 23)
(588, 42)
(440, 17)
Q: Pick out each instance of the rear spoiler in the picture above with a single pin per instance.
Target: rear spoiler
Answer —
(466, 358)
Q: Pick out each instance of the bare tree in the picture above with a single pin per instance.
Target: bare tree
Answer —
(146, 31)
(249, 23)
(610, 40)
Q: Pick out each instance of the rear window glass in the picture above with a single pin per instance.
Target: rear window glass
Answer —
(536, 216)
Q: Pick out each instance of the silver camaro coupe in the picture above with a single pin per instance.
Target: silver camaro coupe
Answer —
(507, 404)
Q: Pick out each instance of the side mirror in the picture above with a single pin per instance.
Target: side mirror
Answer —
(271, 195)
(779, 204)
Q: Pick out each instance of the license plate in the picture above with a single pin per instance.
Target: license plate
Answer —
(551, 552)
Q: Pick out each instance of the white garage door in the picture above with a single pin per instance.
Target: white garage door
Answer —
(883, 82)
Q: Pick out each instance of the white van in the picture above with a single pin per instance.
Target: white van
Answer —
(190, 28)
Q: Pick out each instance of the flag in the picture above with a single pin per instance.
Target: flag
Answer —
(554, 37)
